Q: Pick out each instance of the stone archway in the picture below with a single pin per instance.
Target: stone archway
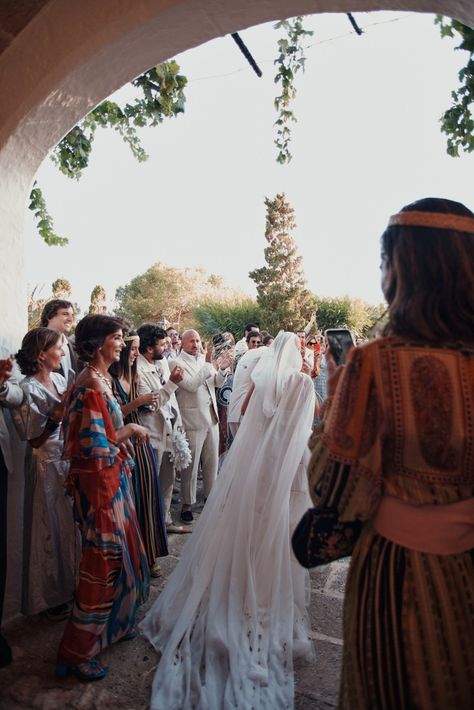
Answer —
(58, 59)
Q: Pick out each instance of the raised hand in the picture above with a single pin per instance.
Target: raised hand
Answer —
(177, 374)
(6, 368)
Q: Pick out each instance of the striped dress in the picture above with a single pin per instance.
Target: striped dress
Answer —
(402, 423)
(146, 487)
(113, 570)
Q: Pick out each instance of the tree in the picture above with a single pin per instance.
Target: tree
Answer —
(61, 289)
(282, 296)
(160, 96)
(166, 293)
(98, 300)
(345, 312)
(212, 317)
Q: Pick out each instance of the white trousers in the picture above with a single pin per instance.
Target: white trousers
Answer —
(166, 474)
(204, 445)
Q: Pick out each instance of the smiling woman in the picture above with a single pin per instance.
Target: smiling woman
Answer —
(50, 540)
(113, 572)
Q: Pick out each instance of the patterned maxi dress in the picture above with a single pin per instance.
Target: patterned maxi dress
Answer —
(146, 487)
(113, 571)
(402, 423)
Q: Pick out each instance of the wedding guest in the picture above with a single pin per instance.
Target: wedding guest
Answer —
(113, 573)
(59, 315)
(162, 417)
(241, 345)
(241, 385)
(196, 397)
(11, 395)
(175, 343)
(394, 466)
(50, 541)
(306, 353)
(146, 485)
(254, 340)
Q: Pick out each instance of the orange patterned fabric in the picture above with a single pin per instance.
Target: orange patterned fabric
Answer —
(402, 423)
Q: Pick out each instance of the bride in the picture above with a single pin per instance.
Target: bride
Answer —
(233, 614)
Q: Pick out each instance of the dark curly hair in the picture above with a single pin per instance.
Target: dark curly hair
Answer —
(429, 284)
(91, 332)
(35, 342)
(51, 308)
(149, 335)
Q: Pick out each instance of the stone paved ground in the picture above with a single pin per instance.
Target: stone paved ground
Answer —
(29, 681)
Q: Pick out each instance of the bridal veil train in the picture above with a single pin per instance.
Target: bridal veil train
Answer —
(233, 614)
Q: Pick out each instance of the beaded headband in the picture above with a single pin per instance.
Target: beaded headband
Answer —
(130, 337)
(436, 220)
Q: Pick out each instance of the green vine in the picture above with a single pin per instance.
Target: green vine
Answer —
(290, 61)
(457, 122)
(161, 96)
(44, 223)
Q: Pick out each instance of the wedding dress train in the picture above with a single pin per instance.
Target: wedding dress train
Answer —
(233, 614)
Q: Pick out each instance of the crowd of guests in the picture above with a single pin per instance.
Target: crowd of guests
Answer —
(117, 416)
(137, 408)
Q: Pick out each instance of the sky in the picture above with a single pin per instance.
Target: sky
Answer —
(367, 141)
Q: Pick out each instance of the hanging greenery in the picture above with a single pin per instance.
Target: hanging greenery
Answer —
(457, 122)
(161, 96)
(289, 62)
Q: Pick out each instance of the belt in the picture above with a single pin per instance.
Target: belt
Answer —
(435, 529)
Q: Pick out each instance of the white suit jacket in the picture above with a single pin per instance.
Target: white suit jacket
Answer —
(162, 417)
(197, 391)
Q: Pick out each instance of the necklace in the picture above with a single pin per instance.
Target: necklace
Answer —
(101, 377)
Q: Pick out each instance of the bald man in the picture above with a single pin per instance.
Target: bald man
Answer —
(196, 397)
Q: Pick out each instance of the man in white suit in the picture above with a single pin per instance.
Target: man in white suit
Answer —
(11, 395)
(163, 416)
(197, 403)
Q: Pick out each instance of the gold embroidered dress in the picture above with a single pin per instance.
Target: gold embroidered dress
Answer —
(402, 423)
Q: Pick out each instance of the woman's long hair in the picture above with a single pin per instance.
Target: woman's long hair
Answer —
(429, 282)
(122, 369)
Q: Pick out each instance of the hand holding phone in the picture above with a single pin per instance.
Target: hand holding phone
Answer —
(340, 341)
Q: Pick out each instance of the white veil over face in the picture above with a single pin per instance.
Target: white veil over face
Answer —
(273, 372)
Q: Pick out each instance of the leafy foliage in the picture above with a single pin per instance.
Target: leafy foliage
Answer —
(212, 317)
(283, 298)
(289, 62)
(61, 288)
(98, 300)
(44, 222)
(161, 95)
(457, 122)
(346, 312)
(166, 293)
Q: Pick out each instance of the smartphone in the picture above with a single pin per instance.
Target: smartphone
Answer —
(340, 341)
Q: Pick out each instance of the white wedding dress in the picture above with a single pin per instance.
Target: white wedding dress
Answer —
(233, 614)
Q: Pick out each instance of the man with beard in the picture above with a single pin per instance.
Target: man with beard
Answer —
(162, 417)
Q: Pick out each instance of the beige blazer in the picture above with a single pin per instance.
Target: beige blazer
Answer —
(196, 393)
(160, 418)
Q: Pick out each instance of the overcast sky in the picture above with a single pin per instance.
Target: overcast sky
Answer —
(367, 142)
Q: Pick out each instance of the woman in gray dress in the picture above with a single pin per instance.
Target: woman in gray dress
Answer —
(50, 553)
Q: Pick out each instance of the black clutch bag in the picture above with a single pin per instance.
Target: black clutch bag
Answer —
(320, 537)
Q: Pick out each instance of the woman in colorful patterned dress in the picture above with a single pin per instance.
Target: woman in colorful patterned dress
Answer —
(113, 572)
(396, 458)
(146, 484)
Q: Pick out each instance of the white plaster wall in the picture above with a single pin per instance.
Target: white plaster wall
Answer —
(74, 54)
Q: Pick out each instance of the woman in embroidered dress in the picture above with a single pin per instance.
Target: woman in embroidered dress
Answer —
(396, 457)
(50, 550)
(146, 484)
(233, 614)
(113, 573)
